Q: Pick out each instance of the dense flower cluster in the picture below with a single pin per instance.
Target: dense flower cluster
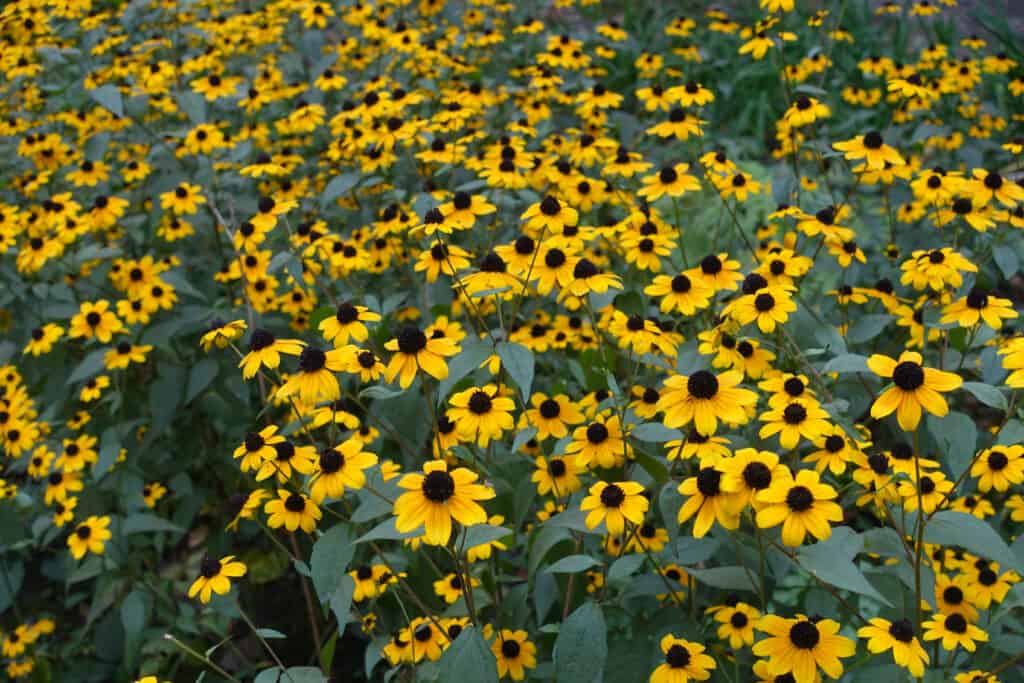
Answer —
(495, 322)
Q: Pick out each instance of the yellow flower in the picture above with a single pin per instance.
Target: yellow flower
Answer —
(292, 511)
(614, 504)
(89, 536)
(802, 505)
(215, 577)
(436, 497)
(914, 387)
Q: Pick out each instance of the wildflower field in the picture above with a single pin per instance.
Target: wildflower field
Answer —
(574, 341)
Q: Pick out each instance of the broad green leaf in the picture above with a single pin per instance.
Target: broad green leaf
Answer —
(386, 531)
(108, 97)
(987, 394)
(956, 437)
(478, 534)
(833, 561)
(341, 600)
(846, 363)
(624, 567)
(90, 366)
(468, 658)
(544, 540)
(951, 528)
(330, 558)
(867, 327)
(688, 550)
(143, 522)
(12, 573)
(338, 186)
(201, 376)
(110, 447)
(518, 361)
(581, 646)
(469, 358)
(655, 432)
(727, 578)
(572, 564)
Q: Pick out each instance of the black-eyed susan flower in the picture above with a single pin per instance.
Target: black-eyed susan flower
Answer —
(287, 458)
(549, 215)
(436, 497)
(215, 577)
(802, 505)
(800, 647)
(185, 199)
(43, 338)
(221, 333)
(265, 351)
(90, 536)
(93, 388)
(673, 181)
(872, 148)
(599, 444)
(449, 588)
(679, 293)
(897, 636)
(95, 320)
(953, 631)
(340, 468)
(558, 476)
(704, 398)
(999, 468)
(768, 306)
(737, 624)
(684, 661)
(314, 380)
(979, 306)
(587, 278)
(414, 351)
(347, 323)
(749, 472)
(481, 414)
(614, 504)
(797, 419)
(708, 502)
(914, 387)
(552, 415)
(514, 653)
(292, 511)
(257, 447)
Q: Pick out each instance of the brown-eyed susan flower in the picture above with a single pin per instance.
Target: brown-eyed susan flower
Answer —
(749, 472)
(557, 476)
(347, 323)
(481, 414)
(95, 320)
(737, 624)
(768, 306)
(221, 333)
(897, 636)
(287, 458)
(449, 588)
(704, 398)
(90, 536)
(679, 293)
(215, 577)
(800, 647)
(673, 181)
(802, 504)
(152, 493)
(914, 387)
(340, 468)
(599, 444)
(93, 388)
(414, 351)
(258, 447)
(999, 468)
(953, 630)
(514, 654)
(292, 511)
(615, 504)
(797, 419)
(552, 415)
(185, 199)
(706, 500)
(933, 491)
(587, 277)
(124, 354)
(43, 338)
(872, 148)
(549, 215)
(979, 306)
(314, 380)
(371, 581)
(265, 351)
(436, 497)
(684, 661)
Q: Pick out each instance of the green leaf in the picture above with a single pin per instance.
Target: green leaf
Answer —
(846, 363)
(381, 392)
(655, 432)
(468, 659)
(108, 97)
(867, 327)
(624, 567)
(478, 534)
(518, 361)
(956, 435)
(975, 535)
(110, 447)
(143, 522)
(303, 674)
(689, 550)
(833, 561)
(90, 366)
(572, 564)
(727, 578)
(581, 646)
(544, 540)
(987, 394)
(386, 531)
(12, 573)
(469, 358)
(338, 186)
(133, 618)
(331, 555)
(201, 376)
(271, 634)
(341, 600)
(194, 106)
(1007, 259)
